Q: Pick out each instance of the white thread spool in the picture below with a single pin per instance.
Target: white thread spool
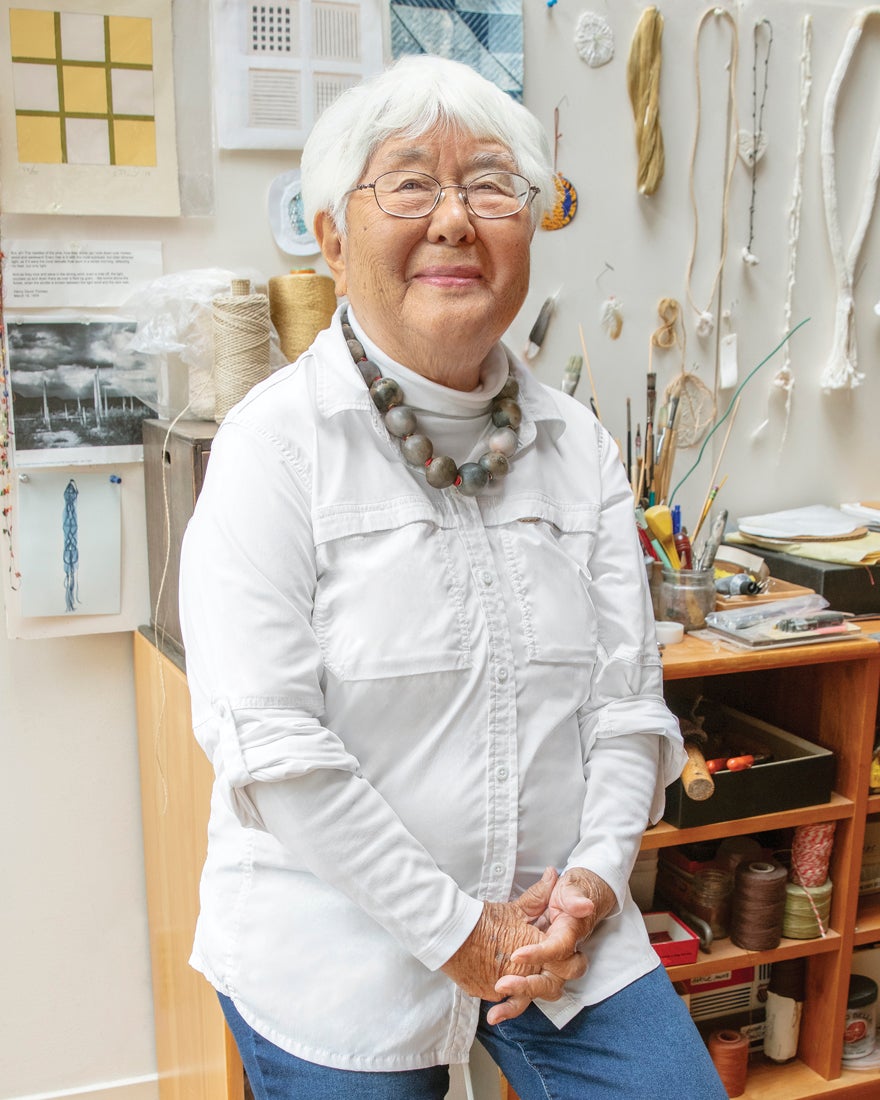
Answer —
(241, 344)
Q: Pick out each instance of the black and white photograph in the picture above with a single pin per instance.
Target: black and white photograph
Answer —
(79, 393)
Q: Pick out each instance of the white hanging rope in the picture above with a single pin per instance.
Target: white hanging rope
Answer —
(784, 379)
(705, 318)
(841, 370)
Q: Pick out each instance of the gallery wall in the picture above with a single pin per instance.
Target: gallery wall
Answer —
(73, 928)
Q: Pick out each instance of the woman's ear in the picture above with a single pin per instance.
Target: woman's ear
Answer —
(330, 242)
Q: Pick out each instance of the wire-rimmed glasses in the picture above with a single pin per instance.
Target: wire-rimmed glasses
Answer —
(416, 194)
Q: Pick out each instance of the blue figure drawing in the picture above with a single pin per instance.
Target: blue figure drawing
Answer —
(71, 548)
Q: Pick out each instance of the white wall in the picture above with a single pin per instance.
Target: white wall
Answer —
(72, 924)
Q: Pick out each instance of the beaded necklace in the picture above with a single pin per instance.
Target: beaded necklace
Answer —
(441, 471)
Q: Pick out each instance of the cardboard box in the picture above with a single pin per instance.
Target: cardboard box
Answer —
(800, 774)
(673, 941)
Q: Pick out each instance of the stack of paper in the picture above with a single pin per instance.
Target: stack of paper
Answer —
(867, 512)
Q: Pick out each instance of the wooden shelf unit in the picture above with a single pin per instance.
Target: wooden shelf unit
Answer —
(827, 694)
(824, 693)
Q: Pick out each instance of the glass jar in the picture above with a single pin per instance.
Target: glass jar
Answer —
(710, 899)
(687, 596)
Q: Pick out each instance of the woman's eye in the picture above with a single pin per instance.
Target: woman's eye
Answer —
(413, 184)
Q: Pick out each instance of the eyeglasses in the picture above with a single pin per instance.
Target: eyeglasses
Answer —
(416, 194)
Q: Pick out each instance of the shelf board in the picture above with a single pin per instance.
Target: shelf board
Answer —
(867, 920)
(663, 835)
(795, 1081)
(725, 955)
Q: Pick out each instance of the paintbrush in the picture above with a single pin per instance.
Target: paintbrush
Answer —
(539, 328)
(572, 374)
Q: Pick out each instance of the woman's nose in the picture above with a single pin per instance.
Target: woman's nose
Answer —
(451, 219)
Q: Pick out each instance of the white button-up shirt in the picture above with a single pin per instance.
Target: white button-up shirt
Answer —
(446, 694)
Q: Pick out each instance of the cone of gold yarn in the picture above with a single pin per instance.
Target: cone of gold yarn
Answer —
(301, 304)
(241, 344)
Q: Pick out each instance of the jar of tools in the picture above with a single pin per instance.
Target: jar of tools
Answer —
(686, 596)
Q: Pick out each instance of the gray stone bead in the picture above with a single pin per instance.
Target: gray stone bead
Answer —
(441, 472)
(504, 441)
(401, 421)
(348, 331)
(369, 371)
(417, 449)
(386, 393)
(506, 413)
(356, 348)
(473, 478)
(510, 387)
(495, 465)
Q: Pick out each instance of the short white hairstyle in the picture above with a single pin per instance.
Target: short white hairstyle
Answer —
(408, 99)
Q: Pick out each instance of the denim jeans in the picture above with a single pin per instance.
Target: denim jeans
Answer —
(639, 1043)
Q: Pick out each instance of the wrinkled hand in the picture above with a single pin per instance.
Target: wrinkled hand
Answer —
(578, 901)
(483, 962)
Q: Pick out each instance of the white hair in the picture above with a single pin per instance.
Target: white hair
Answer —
(408, 99)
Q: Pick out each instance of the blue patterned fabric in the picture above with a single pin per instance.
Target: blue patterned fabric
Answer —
(485, 34)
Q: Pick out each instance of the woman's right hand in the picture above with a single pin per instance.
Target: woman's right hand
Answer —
(484, 957)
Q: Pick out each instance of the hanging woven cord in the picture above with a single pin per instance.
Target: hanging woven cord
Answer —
(841, 371)
(705, 318)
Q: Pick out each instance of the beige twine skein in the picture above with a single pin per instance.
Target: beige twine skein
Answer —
(302, 303)
(241, 344)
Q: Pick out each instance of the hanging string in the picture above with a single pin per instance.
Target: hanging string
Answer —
(729, 1051)
(758, 905)
(70, 529)
(756, 149)
(733, 403)
(705, 318)
(783, 378)
(643, 82)
(841, 370)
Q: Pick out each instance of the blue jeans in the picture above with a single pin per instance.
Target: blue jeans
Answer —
(639, 1043)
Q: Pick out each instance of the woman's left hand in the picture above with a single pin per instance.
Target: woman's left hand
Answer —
(580, 899)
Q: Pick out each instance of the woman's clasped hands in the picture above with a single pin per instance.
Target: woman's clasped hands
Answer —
(527, 949)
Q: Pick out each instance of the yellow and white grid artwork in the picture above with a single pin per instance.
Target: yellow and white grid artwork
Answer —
(83, 88)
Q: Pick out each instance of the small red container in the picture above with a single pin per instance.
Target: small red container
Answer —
(673, 941)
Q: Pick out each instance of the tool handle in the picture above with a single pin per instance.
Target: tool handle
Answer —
(695, 776)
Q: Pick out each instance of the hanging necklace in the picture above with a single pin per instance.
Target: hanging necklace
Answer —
(841, 371)
(441, 471)
(705, 318)
(752, 146)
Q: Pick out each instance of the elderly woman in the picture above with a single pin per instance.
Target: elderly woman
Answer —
(421, 656)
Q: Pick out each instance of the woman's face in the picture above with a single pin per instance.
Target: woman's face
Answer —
(435, 293)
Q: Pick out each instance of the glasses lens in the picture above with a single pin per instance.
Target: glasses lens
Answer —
(407, 194)
(497, 194)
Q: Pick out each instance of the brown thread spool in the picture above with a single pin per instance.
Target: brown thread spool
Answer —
(729, 1051)
(758, 905)
(301, 304)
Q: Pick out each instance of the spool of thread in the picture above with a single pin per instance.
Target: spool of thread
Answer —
(806, 910)
(301, 304)
(811, 853)
(783, 1008)
(729, 1051)
(758, 905)
(241, 344)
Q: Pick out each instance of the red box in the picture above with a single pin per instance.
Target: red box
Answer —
(673, 941)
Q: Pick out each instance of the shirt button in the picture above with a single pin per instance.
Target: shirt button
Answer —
(501, 675)
(498, 869)
(501, 773)
(486, 577)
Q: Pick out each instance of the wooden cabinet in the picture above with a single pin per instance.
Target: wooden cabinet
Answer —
(824, 693)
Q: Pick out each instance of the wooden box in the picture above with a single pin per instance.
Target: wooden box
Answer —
(174, 469)
(800, 773)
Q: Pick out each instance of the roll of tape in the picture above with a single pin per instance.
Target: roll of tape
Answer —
(669, 633)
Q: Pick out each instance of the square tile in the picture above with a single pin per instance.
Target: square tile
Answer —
(35, 87)
(32, 33)
(82, 37)
(39, 140)
(132, 91)
(135, 143)
(88, 141)
(131, 40)
(85, 89)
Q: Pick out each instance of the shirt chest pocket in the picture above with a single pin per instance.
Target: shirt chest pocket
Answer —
(390, 600)
(548, 564)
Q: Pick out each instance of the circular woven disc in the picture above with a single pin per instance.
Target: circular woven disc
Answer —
(594, 39)
(564, 207)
